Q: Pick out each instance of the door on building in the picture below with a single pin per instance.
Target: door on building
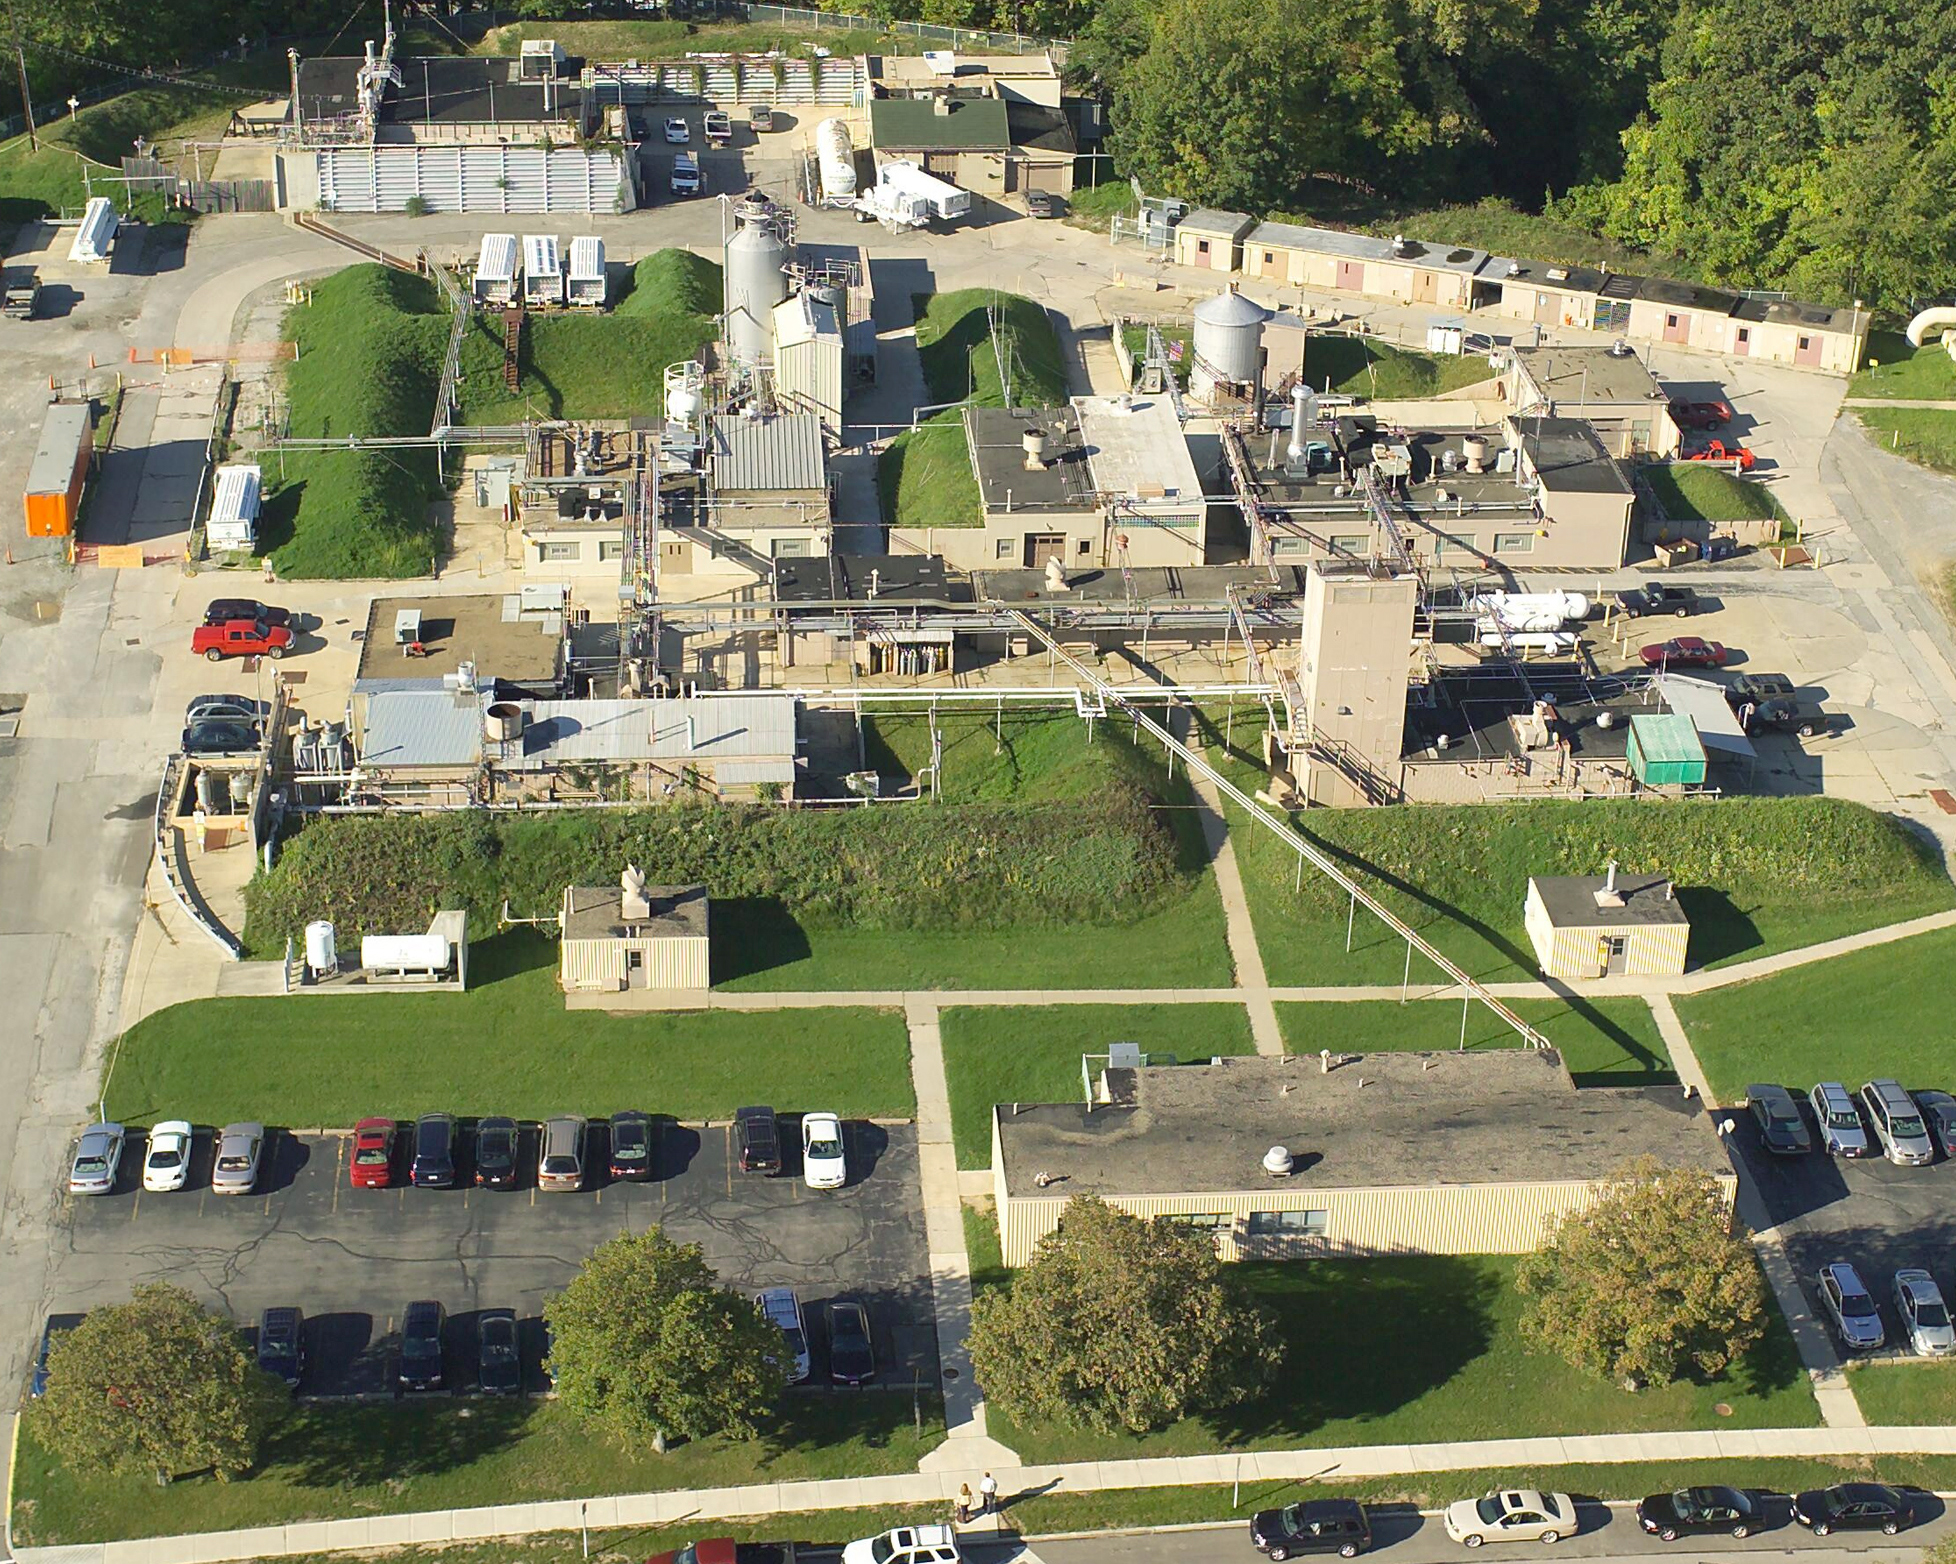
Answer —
(1426, 287)
(1676, 327)
(1042, 546)
(1806, 350)
(1351, 276)
(1616, 954)
(1742, 342)
(943, 164)
(634, 969)
(1548, 309)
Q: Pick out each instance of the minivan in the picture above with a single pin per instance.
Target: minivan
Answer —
(781, 1307)
(685, 175)
(434, 1152)
(561, 1163)
(1898, 1124)
(1312, 1526)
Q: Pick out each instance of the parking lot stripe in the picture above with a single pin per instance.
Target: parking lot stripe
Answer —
(136, 1204)
(339, 1166)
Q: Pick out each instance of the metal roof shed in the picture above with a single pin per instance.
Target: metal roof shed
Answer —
(234, 507)
(543, 270)
(1665, 751)
(495, 269)
(587, 281)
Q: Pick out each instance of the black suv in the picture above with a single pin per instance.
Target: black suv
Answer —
(1781, 1129)
(1767, 702)
(760, 1140)
(495, 1153)
(421, 1329)
(1671, 1515)
(852, 1359)
(225, 609)
(282, 1344)
(1312, 1526)
(631, 1146)
(434, 1152)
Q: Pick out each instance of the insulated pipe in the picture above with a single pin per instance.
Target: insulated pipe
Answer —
(1941, 318)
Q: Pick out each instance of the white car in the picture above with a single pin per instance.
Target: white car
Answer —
(167, 1163)
(823, 1165)
(1925, 1317)
(905, 1545)
(677, 135)
(1519, 1515)
(1842, 1134)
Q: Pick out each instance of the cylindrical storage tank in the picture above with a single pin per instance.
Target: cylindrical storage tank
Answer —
(322, 949)
(502, 721)
(404, 952)
(836, 158)
(755, 283)
(1228, 342)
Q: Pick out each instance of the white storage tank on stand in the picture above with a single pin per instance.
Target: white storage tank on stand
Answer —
(322, 950)
(835, 158)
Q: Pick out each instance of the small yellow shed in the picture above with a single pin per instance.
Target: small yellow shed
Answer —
(1606, 925)
(633, 935)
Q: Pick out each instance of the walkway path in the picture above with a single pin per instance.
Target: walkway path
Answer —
(937, 1488)
(1253, 987)
(1942, 406)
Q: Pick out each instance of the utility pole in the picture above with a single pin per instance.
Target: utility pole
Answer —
(26, 96)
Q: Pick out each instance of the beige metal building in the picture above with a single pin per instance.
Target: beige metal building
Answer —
(1212, 240)
(1401, 269)
(1395, 1153)
(1592, 926)
(767, 499)
(808, 358)
(633, 935)
(1355, 657)
(1583, 500)
(1610, 387)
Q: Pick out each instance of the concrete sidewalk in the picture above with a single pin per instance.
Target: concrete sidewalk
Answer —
(933, 1492)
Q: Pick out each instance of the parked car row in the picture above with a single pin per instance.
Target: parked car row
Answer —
(439, 1153)
(1343, 1526)
(1882, 1117)
(1856, 1317)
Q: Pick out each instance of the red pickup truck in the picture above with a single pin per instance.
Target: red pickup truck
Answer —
(241, 638)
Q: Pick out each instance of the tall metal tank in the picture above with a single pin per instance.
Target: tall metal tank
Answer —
(835, 158)
(1228, 343)
(755, 282)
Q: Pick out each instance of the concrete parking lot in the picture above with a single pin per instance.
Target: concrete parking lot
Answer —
(353, 1259)
(1879, 1217)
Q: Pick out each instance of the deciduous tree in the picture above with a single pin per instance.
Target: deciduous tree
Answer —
(1649, 1283)
(156, 1384)
(646, 1345)
(1120, 1323)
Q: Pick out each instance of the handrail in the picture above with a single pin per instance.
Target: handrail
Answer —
(166, 854)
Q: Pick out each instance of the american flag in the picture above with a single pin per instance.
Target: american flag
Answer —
(1176, 349)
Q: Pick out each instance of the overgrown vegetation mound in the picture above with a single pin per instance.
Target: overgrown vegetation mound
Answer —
(961, 336)
(369, 348)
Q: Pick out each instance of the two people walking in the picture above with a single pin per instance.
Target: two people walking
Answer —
(984, 1504)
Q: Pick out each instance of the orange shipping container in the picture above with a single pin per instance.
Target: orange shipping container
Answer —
(60, 469)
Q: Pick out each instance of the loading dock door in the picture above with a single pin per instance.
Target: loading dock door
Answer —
(1050, 177)
(1042, 546)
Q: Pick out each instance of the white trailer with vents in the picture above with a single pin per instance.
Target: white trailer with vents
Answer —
(95, 239)
(234, 507)
(543, 270)
(587, 280)
(904, 196)
(495, 270)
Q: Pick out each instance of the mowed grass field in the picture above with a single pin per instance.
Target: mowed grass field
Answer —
(1697, 491)
(1905, 1395)
(1422, 1350)
(1031, 1053)
(337, 1460)
(506, 1046)
(1883, 1011)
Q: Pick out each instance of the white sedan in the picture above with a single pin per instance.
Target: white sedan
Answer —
(905, 1545)
(823, 1165)
(167, 1163)
(677, 135)
(1519, 1515)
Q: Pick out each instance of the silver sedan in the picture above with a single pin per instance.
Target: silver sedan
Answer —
(240, 1150)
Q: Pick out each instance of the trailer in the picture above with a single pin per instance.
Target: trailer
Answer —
(587, 279)
(836, 158)
(543, 270)
(59, 471)
(904, 196)
(495, 270)
(95, 239)
(234, 507)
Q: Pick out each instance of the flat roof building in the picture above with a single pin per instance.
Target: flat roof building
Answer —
(767, 498)
(516, 638)
(1212, 239)
(631, 936)
(1605, 925)
(1330, 258)
(1387, 1153)
(1610, 387)
(991, 146)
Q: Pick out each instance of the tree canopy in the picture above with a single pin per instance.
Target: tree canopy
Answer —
(1119, 1323)
(646, 1345)
(156, 1384)
(1649, 1283)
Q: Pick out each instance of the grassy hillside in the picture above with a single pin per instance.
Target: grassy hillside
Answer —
(1697, 491)
(924, 477)
(954, 340)
(1359, 366)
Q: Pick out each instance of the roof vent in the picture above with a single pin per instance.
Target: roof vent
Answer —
(1034, 443)
(634, 905)
(1620, 347)
(1399, 245)
(1278, 1162)
(1514, 268)
(1608, 895)
(940, 105)
(1558, 274)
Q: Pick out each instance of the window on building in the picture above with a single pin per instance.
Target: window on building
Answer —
(788, 548)
(1202, 247)
(1208, 1221)
(611, 548)
(1804, 341)
(1289, 1224)
(1269, 257)
(1745, 333)
(559, 553)
(1352, 542)
(1085, 548)
(1514, 542)
(1004, 549)
(1670, 320)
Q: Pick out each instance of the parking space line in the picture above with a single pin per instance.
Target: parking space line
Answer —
(339, 1164)
(136, 1204)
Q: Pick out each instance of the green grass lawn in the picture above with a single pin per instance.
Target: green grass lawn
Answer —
(1136, 340)
(1698, 491)
(1014, 756)
(1895, 1395)
(955, 343)
(924, 477)
(1424, 1350)
(1362, 366)
(1894, 368)
(333, 1461)
(506, 1046)
(1922, 434)
(1096, 207)
(1031, 1053)
(1605, 1042)
(982, 1249)
(1872, 1012)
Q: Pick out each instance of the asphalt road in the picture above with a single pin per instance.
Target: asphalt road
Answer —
(353, 1259)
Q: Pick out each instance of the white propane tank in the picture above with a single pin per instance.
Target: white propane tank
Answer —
(404, 952)
(322, 950)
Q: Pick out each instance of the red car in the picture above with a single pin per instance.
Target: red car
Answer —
(1701, 415)
(1718, 451)
(241, 638)
(1684, 651)
(372, 1163)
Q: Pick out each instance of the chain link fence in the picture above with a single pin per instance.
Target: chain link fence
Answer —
(956, 37)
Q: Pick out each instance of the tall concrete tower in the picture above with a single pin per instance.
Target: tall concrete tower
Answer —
(1353, 664)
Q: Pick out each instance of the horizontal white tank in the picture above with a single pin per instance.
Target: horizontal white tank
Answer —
(1531, 640)
(1532, 610)
(404, 952)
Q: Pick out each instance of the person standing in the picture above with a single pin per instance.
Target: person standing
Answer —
(964, 1504)
(987, 1494)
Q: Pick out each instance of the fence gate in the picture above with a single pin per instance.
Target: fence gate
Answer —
(149, 175)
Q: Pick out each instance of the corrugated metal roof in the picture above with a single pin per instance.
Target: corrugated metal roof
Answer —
(781, 452)
(587, 258)
(235, 497)
(1670, 736)
(443, 728)
(54, 457)
(497, 260)
(422, 728)
(801, 317)
(540, 257)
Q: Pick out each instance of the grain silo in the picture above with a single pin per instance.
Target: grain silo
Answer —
(756, 281)
(1228, 345)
